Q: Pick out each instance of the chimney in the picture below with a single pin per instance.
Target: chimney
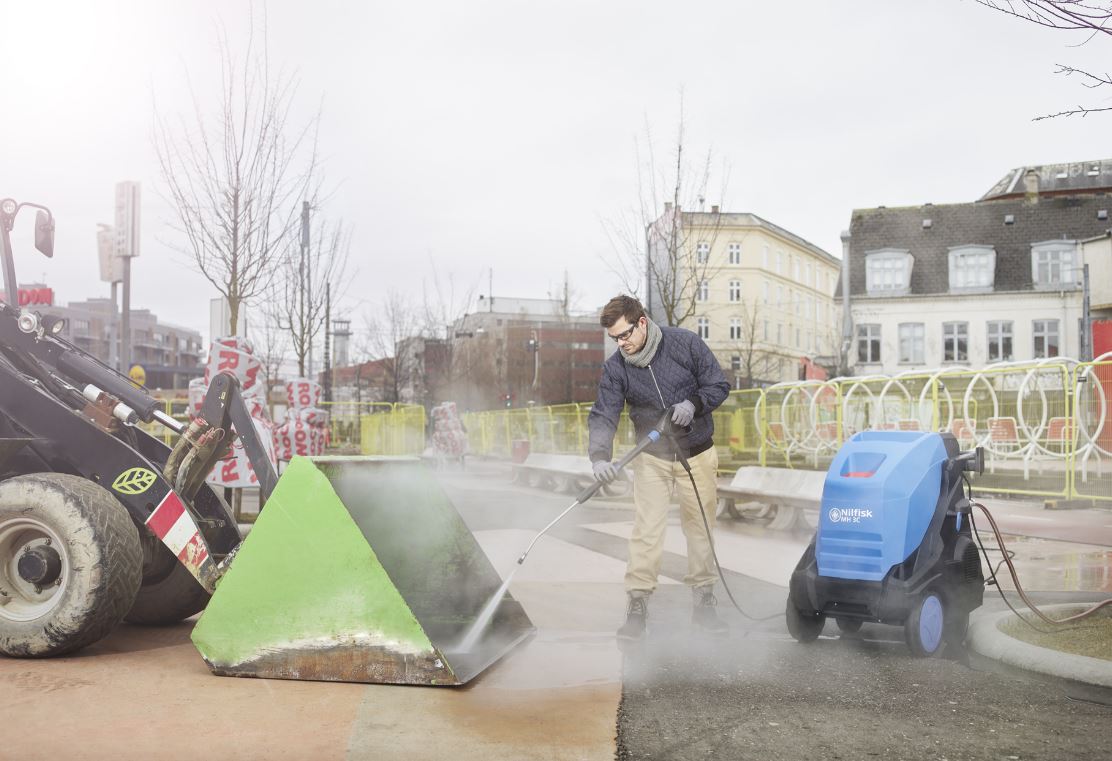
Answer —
(714, 209)
(1031, 185)
(667, 206)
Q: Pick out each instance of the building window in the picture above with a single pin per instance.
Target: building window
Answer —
(735, 362)
(735, 328)
(972, 267)
(779, 262)
(868, 344)
(780, 303)
(955, 342)
(704, 291)
(912, 339)
(807, 274)
(766, 331)
(766, 291)
(795, 269)
(887, 271)
(780, 333)
(704, 328)
(797, 302)
(810, 308)
(80, 327)
(764, 257)
(735, 291)
(999, 341)
(798, 338)
(1046, 338)
(702, 252)
(1053, 263)
(735, 253)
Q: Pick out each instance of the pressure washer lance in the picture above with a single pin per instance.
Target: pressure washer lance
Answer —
(651, 437)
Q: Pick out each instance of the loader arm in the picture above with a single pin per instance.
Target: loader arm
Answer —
(209, 437)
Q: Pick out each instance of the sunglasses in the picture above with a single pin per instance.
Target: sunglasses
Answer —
(625, 334)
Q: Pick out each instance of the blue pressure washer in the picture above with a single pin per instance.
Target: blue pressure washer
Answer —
(894, 544)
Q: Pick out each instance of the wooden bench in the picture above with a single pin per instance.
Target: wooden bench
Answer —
(565, 473)
(780, 493)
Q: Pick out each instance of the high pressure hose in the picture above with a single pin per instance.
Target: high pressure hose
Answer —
(1015, 578)
(713, 552)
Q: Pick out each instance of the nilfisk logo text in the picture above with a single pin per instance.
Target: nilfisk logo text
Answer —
(849, 514)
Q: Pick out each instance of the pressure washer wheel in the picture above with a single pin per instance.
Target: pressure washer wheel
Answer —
(924, 628)
(70, 564)
(804, 627)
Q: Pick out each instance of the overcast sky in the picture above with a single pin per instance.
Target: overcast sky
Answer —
(478, 136)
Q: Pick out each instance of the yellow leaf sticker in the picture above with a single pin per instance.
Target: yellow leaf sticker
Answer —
(134, 481)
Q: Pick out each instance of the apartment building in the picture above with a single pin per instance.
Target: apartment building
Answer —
(995, 280)
(169, 355)
(763, 296)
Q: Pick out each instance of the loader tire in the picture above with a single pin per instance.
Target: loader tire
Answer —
(70, 564)
(169, 592)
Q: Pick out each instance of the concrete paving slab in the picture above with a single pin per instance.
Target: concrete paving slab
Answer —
(552, 560)
(145, 693)
(770, 558)
(1087, 526)
(555, 697)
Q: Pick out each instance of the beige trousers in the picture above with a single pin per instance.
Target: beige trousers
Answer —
(654, 480)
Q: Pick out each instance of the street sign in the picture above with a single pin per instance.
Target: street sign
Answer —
(111, 266)
(137, 374)
(127, 219)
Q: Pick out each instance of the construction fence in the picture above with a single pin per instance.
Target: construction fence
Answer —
(1045, 426)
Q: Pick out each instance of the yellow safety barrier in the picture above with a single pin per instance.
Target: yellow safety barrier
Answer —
(1045, 426)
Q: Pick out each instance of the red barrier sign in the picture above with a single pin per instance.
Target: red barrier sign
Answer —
(36, 297)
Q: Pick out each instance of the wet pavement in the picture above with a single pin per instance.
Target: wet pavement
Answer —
(569, 693)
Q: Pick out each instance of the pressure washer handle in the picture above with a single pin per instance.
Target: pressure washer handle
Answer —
(652, 437)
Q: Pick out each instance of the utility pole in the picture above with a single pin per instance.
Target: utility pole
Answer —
(327, 345)
(127, 246)
(307, 285)
(847, 314)
(1086, 317)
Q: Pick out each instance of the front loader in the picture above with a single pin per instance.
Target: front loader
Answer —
(101, 522)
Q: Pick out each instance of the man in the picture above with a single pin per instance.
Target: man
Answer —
(654, 369)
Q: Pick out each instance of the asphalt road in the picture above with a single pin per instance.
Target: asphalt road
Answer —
(758, 694)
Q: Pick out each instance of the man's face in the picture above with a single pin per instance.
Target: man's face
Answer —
(630, 337)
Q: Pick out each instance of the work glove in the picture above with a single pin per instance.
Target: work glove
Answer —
(604, 471)
(683, 413)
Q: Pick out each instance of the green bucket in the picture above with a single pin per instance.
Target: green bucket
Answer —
(359, 569)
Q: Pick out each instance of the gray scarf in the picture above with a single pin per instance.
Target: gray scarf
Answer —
(648, 351)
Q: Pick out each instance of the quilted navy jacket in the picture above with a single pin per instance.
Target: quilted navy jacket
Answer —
(684, 368)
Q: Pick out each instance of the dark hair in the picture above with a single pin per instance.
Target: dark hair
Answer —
(621, 306)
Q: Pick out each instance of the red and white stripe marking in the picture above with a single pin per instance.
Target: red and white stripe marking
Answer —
(172, 523)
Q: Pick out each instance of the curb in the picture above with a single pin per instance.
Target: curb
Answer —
(985, 638)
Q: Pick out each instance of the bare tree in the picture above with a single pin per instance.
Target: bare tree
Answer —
(234, 173)
(310, 269)
(272, 349)
(662, 250)
(1089, 16)
(444, 303)
(396, 320)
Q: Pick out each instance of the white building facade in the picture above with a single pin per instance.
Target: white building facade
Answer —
(971, 284)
